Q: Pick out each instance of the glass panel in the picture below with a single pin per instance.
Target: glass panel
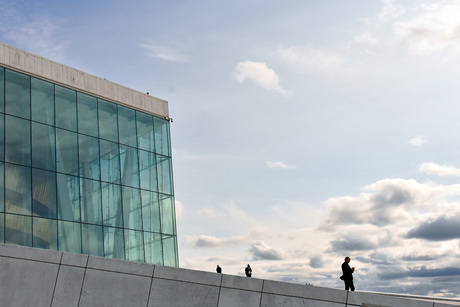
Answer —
(66, 152)
(69, 237)
(45, 233)
(164, 174)
(66, 108)
(110, 162)
(18, 229)
(114, 243)
(42, 101)
(89, 157)
(2, 186)
(87, 114)
(17, 93)
(153, 248)
(129, 166)
(91, 202)
(170, 248)
(44, 193)
(134, 243)
(148, 171)
(108, 128)
(2, 228)
(68, 197)
(151, 211)
(112, 214)
(2, 89)
(17, 140)
(92, 240)
(18, 194)
(43, 146)
(162, 136)
(145, 131)
(127, 126)
(167, 214)
(132, 211)
(2, 137)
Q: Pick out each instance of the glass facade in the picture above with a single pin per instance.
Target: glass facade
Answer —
(84, 175)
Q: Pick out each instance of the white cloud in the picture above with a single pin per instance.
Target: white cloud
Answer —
(365, 38)
(391, 10)
(278, 164)
(432, 168)
(260, 250)
(433, 30)
(204, 241)
(179, 208)
(260, 75)
(309, 58)
(164, 53)
(418, 141)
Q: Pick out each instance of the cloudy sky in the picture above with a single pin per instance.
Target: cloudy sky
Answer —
(304, 131)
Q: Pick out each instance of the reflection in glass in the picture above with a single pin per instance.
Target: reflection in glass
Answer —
(127, 126)
(17, 94)
(91, 201)
(18, 192)
(42, 101)
(44, 193)
(150, 211)
(164, 174)
(2, 228)
(69, 237)
(153, 248)
(167, 214)
(112, 214)
(134, 245)
(108, 128)
(162, 136)
(18, 229)
(87, 114)
(92, 240)
(145, 131)
(169, 250)
(66, 151)
(2, 138)
(68, 189)
(44, 233)
(132, 211)
(114, 243)
(43, 146)
(2, 89)
(17, 140)
(2, 187)
(66, 108)
(89, 157)
(148, 170)
(129, 166)
(110, 162)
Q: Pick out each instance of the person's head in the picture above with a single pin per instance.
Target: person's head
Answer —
(347, 259)
(248, 265)
(217, 265)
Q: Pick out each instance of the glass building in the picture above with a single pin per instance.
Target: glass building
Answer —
(83, 173)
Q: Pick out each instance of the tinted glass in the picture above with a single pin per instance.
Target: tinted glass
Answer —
(92, 240)
(132, 211)
(91, 201)
(66, 151)
(150, 211)
(112, 213)
(18, 189)
(2, 89)
(114, 243)
(66, 108)
(127, 126)
(44, 193)
(167, 214)
(169, 250)
(68, 188)
(145, 131)
(2, 137)
(162, 145)
(153, 248)
(110, 162)
(89, 157)
(69, 237)
(42, 101)
(134, 245)
(108, 128)
(17, 140)
(2, 187)
(44, 233)
(43, 146)
(164, 174)
(148, 170)
(129, 166)
(87, 114)
(18, 229)
(17, 94)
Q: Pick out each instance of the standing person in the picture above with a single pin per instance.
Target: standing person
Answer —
(347, 276)
(248, 271)
(218, 269)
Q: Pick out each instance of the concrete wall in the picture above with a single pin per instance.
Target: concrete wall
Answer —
(42, 68)
(37, 277)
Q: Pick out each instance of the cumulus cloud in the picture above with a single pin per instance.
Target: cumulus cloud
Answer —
(433, 30)
(352, 243)
(421, 272)
(164, 53)
(439, 229)
(432, 168)
(204, 241)
(418, 141)
(261, 251)
(316, 262)
(278, 164)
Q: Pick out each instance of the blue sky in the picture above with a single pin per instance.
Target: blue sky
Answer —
(304, 131)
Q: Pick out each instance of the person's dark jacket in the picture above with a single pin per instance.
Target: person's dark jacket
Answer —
(347, 272)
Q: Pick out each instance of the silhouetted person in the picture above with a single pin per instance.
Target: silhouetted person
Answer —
(347, 276)
(248, 271)
(218, 269)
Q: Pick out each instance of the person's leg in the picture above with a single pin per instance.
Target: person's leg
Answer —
(352, 286)
(347, 286)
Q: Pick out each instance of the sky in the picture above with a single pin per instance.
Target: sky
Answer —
(303, 131)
